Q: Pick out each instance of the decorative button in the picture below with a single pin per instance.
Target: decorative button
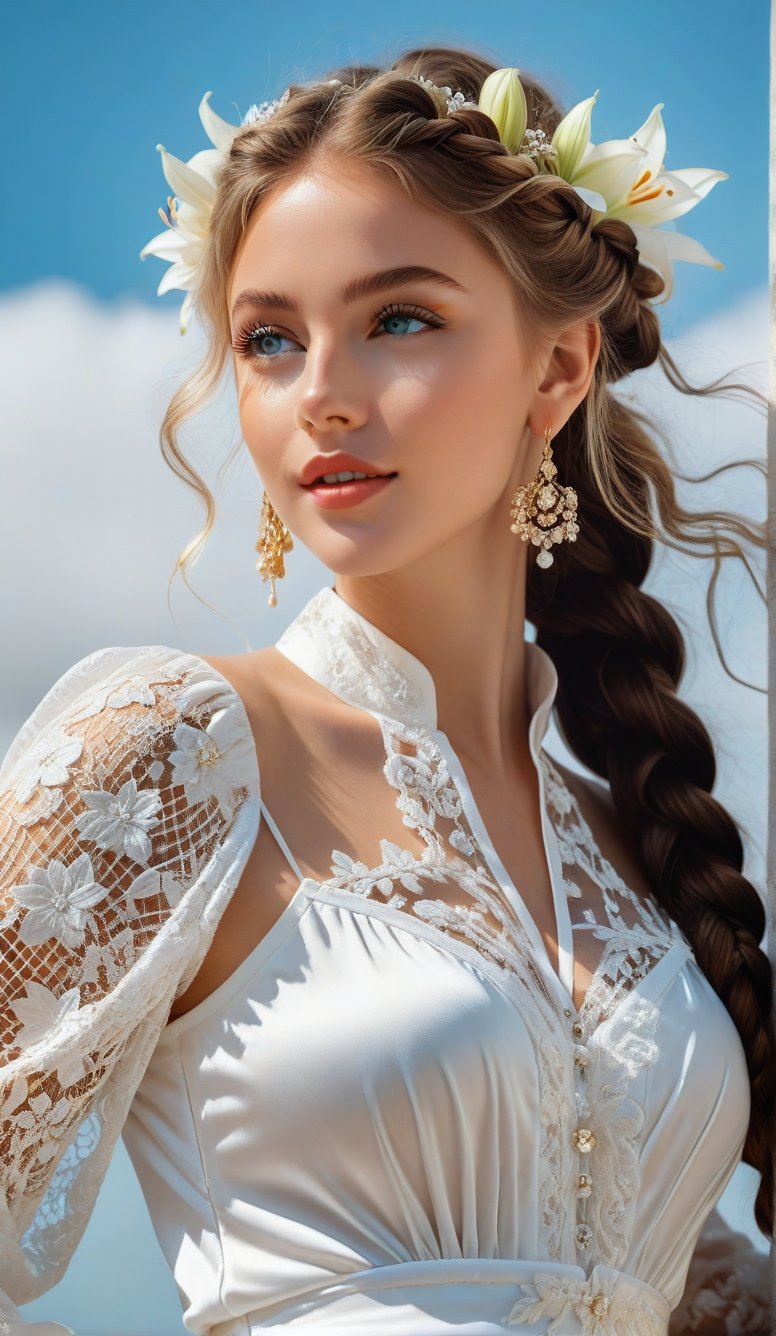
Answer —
(581, 1060)
(600, 1304)
(584, 1236)
(584, 1185)
(584, 1140)
(567, 1011)
(577, 1029)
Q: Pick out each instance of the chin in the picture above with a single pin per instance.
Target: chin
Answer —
(361, 553)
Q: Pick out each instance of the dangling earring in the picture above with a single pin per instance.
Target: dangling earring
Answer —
(274, 540)
(546, 501)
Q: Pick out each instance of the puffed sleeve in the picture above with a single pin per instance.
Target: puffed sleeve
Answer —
(129, 803)
(728, 1290)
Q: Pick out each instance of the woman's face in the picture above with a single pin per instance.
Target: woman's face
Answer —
(424, 379)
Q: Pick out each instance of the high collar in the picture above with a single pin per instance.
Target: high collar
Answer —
(358, 662)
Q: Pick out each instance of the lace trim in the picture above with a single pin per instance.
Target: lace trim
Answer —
(578, 1084)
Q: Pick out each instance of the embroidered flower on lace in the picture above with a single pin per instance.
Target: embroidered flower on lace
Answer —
(47, 1118)
(41, 806)
(41, 1012)
(152, 883)
(599, 1306)
(211, 762)
(132, 691)
(398, 865)
(426, 775)
(47, 763)
(56, 899)
(120, 821)
(110, 959)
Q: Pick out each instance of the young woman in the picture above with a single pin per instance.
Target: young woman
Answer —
(407, 1027)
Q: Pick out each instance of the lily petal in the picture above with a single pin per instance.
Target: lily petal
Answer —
(192, 187)
(502, 97)
(166, 245)
(658, 201)
(611, 168)
(207, 163)
(658, 249)
(571, 137)
(191, 223)
(218, 131)
(652, 136)
(700, 179)
(178, 275)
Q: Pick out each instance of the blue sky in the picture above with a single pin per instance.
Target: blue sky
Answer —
(89, 355)
(90, 89)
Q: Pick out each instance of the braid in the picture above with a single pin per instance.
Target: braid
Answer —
(620, 656)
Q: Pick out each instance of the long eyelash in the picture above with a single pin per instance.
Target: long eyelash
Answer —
(250, 334)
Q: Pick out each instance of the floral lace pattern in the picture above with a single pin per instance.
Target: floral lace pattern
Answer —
(135, 780)
(129, 802)
(602, 1307)
(579, 1085)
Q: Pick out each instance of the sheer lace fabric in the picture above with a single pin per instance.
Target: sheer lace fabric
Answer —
(129, 804)
(118, 851)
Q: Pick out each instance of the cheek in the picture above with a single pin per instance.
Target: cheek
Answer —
(262, 420)
(475, 398)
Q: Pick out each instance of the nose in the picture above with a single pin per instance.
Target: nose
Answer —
(331, 391)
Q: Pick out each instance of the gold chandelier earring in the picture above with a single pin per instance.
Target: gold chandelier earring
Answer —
(545, 511)
(274, 540)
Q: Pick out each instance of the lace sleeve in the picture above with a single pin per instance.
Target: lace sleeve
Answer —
(129, 802)
(728, 1288)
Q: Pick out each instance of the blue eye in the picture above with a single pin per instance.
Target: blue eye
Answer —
(248, 343)
(397, 316)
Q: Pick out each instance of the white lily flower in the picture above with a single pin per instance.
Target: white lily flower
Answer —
(189, 208)
(621, 178)
(625, 178)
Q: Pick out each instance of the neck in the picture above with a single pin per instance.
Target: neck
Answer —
(469, 632)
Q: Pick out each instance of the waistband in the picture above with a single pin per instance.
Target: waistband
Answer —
(468, 1297)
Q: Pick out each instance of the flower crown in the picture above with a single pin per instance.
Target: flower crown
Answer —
(621, 178)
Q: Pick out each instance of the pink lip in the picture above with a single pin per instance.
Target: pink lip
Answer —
(336, 496)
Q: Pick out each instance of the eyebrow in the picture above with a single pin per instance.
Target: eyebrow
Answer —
(357, 288)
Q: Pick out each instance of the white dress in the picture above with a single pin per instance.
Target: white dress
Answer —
(390, 1118)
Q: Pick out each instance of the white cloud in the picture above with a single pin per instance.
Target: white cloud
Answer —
(91, 521)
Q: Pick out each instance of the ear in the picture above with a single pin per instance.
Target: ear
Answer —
(567, 374)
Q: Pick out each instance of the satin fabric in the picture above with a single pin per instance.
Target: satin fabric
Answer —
(346, 1135)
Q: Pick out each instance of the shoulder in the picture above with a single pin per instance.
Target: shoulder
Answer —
(122, 734)
(128, 801)
(282, 701)
(104, 681)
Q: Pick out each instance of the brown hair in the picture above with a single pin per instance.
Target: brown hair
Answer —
(618, 652)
